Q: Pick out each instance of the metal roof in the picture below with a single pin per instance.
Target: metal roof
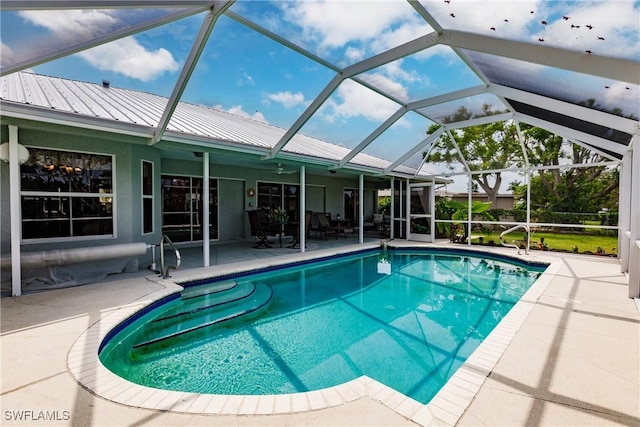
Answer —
(142, 111)
(531, 60)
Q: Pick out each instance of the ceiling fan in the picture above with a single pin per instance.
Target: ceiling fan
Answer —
(282, 171)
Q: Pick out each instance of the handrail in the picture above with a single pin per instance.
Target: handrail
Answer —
(165, 272)
(512, 245)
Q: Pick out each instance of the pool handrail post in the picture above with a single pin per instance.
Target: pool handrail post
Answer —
(512, 245)
(164, 272)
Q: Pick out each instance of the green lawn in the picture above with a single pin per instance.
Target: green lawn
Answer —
(558, 241)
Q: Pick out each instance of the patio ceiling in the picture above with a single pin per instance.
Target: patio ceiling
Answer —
(550, 71)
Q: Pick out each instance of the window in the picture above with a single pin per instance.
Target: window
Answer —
(66, 194)
(182, 208)
(147, 197)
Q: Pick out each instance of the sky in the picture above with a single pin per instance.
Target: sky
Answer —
(246, 73)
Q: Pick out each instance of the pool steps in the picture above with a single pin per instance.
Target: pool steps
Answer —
(202, 311)
(206, 301)
(204, 290)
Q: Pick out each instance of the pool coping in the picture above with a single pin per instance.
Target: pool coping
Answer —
(446, 407)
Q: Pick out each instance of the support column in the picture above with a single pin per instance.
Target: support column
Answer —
(528, 176)
(624, 208)
(634, 249)
(432, 205)
(391, 207)
(205, 210)
(361, 209)
(16, 212)
(469, 210)
(407, 210)
(302, 233)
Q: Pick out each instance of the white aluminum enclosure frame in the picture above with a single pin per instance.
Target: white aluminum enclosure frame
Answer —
(623, 70)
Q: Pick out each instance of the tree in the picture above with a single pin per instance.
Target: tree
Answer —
(496, 146)
(487, 147)
(584, 189)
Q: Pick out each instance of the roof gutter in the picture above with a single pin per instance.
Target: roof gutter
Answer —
(30, 112)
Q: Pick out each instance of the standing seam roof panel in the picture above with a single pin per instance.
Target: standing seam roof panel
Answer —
(197, 124)
(54, 99)
(138, 112)
(111, 108)
(151, 104)
(32, 92)
(97, 108)
(226, 126)
(303, 144)
(187, 121)
(75, 100)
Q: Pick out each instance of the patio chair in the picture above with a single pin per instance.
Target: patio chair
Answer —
(293, 229)
(348, 228)
(261, 228)
(378, 222)
(368, 225)
(320, 224)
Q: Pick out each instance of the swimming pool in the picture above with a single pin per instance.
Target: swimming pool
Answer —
(321, 324)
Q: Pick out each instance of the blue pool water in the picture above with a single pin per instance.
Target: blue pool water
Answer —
(321, 324)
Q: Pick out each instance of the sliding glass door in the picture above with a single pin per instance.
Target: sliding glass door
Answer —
(421, 202)
(273, 196)
(182, 208)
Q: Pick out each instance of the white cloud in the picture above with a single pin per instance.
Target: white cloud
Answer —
(394, 69)
(239, 111)
(6, 53)
(84, 23)
(395, 36)
(355, 30)
(616, 21)
(335, 23)
(387, 85)
(288, 99)
(354, 100)
(623, 96)
(438, 50)
(354, 54)
(125, 56)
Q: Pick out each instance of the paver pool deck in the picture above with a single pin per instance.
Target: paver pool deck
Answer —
(568, 354)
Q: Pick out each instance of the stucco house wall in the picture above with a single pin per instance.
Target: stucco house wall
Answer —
(324, 191)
